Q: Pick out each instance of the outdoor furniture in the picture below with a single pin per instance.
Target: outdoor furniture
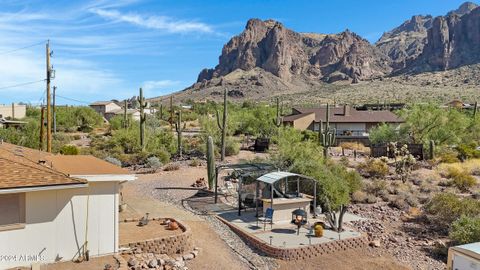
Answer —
(284, 206)
(299, 218)
(267, 218)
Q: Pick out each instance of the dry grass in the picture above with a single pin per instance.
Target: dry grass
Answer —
(355, 146)
(471, 166)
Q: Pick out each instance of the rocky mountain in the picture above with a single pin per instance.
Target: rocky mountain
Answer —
(452, 41)
(272, 47)
(406, 41)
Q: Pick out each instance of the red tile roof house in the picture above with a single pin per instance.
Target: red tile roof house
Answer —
(350, 124)
(52, 206)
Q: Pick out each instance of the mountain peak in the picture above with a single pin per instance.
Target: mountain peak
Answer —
(464, 8)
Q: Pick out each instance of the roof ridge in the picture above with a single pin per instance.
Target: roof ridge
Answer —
(38, 167)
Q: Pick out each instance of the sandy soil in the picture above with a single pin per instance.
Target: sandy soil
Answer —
(345, 260)
(131, 232)
(94, 264)
(215, 253)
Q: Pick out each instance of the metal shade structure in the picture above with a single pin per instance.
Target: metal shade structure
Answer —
(274, 177)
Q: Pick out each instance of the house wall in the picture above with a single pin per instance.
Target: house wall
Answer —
(56, 224)
(6, 111)
(102, 109)
(304, 122)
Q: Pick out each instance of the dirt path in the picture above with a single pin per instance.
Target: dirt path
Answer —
(174, 186)
(214, 252)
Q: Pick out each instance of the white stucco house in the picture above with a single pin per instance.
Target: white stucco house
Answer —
(56, 208)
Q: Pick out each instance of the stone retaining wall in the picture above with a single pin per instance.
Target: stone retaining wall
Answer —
(299, 253)
(170, 245)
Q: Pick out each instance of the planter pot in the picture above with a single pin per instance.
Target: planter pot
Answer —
(122, 207)
(173, 226)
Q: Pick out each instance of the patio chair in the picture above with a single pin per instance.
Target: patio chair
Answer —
(267, 218)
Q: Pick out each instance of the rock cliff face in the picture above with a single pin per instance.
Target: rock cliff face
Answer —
(285, 53)
(452, 41)
(406, 41)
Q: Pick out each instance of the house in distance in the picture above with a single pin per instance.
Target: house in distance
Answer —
(351, 125)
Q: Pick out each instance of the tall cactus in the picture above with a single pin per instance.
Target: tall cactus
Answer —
(278, 121)
(161, 111)
(171, 112)
(125, 116)
(432, 149)
(223, 126)
(475, 110)
(179, 129)
(143, 105)
(210, 163)
(326, 134)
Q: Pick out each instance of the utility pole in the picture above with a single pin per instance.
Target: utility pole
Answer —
(13, 111)
(54, 112)
(49, 116)
(42, 122)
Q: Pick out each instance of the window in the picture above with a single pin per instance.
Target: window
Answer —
(12, 210)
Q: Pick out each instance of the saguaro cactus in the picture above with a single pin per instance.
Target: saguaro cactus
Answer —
(210, 163)
(179, 129)
(171, 112)
(142, 105)
(278, 121)
(223, 126)
(326, 134)
(125, 119)
(161, 111)
(432, 149)
(475, 110)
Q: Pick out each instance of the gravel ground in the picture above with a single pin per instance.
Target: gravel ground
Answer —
(399, 235)
(159, 186)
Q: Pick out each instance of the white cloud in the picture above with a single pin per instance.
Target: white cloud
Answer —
(154, 22)
(160, 87)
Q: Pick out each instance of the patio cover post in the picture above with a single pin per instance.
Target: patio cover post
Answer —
(271, 200)
(314, 199)
(298, 187)
(240, 196)
(256, 198)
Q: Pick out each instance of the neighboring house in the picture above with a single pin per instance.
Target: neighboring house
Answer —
(103, 107)
(133, 113)
(464, 257)
(350, 124)
(54, 207)
(13, 111)
(458, 104)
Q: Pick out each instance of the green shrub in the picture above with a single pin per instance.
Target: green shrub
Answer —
(374, 167)
(194, 162)
(172, 167)
(153, 162)
(448, 155)
(359, 196)
(467, 151)
(69, 150)
(232, 147)
(376, 187)
(445, 208)
(114, 161)
(464, 181)
(465, 230)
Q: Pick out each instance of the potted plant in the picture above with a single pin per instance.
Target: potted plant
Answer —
(318, 228)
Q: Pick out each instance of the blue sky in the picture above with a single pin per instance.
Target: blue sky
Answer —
(107, 49)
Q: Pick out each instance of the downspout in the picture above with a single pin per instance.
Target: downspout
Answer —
(86, 252)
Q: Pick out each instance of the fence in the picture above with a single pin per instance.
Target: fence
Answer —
(382, 150)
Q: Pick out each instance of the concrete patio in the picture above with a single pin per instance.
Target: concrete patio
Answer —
(284, 234)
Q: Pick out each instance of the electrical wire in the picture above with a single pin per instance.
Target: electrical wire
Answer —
(21, 84)
(72, 99)
(22, 48)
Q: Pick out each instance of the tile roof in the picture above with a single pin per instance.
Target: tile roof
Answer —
(99, 103)
(83, 165)
(20, 168)
(337, 115)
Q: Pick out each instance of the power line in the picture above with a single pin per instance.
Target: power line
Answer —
(72, 99)
(21, 84)
(22, 48)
